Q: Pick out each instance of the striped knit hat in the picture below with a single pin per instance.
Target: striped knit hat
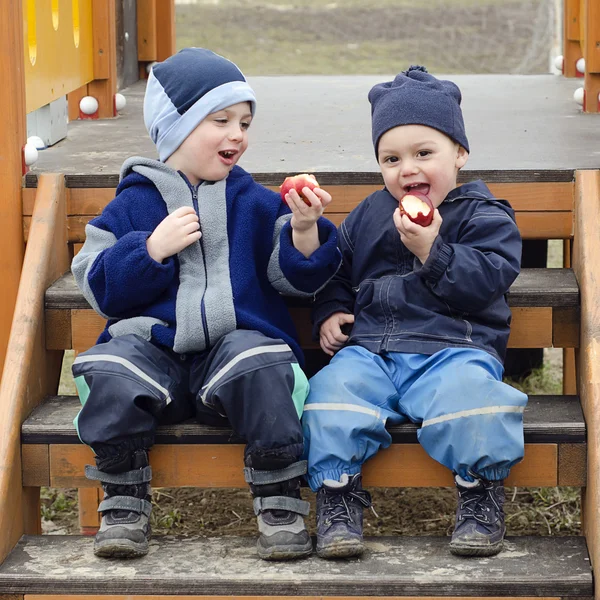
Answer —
(186, 88)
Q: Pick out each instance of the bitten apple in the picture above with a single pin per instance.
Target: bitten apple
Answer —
(418, 208)
(298, 182)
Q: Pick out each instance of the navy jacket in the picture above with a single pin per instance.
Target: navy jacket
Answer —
(233, 278)
(456, 299)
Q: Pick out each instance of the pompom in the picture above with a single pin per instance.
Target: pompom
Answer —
(415, 68)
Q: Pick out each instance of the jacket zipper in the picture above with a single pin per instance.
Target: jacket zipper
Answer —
(202, 305)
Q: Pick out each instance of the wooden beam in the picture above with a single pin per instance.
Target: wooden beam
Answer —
(104, 86)
(146, 597)
(165, 33)
(572, 50)
(12, 138)
(220, 466)
(30, 371)
(586, 264)
(146, 30)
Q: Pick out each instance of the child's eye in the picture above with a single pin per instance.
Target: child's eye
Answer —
(390, 159)
(221, 120)
(245, 125)
(422, 153)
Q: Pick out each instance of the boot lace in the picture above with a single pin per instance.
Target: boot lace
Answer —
(338, 505)
(479, 504)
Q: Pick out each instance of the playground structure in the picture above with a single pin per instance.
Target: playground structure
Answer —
(47, 210)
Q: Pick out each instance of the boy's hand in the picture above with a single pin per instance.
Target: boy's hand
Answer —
(331, 337)
(174, 233)
(304, 216)
(416, 238)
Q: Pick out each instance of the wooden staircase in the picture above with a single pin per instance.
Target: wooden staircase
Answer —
(39, 445)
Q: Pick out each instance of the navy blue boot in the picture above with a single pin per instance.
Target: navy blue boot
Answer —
(479, 529)
(340, 517)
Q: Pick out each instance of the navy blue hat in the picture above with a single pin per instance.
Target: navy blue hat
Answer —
(417, 98)
(186, 88)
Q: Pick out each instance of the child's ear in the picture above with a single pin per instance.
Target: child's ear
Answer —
(461, 157)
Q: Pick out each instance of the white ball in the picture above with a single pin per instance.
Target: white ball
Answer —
(30, 154)
(149, 67)
(580, 65)
(559, 62)
(578, 96)
(88, 105)
(36, 141)
(120, 101)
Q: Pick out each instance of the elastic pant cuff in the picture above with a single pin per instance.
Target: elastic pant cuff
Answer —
(315, 480)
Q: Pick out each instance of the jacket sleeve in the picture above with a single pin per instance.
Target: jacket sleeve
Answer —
(114, 270)
(473, 273)
(290, 272)
(337, 295)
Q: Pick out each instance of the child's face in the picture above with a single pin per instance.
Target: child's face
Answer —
(421, 158)
(215, 146)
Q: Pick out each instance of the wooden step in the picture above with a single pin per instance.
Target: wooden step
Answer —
(190, 454)
(556, 288)
(548, 567)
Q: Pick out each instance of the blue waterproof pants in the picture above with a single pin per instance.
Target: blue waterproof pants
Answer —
(471, 421)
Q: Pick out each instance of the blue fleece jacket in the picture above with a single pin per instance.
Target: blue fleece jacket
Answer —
(233, 278)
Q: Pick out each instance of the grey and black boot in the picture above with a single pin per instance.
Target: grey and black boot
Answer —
(340, 507)
(125, 528)
(278, 507)
(479, 529)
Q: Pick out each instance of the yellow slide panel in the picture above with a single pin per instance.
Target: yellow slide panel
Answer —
(58, 49)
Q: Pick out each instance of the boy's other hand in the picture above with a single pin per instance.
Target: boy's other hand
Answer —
(303, 215)
(331, 337)
(416, 238)
(174, 233)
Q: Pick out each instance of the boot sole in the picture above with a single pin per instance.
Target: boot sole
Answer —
(491, 550)
(120, 549)
(341, 550)
(284, 552)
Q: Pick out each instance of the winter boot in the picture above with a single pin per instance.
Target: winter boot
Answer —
(125, 528)
(479, 529)
(275, 485)
(340, 517)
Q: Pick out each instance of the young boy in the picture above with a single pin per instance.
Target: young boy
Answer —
(430, 326)
(188, 264)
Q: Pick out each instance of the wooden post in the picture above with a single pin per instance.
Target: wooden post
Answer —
(165, 32)
(12, 138)
(586, 249)
(591, 53)
(572, 51)
(104, 86)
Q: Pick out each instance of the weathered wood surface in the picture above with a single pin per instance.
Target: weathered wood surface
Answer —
(220, 466)
(552, 419)
(525, 124)
(533, 287)
(540, 566)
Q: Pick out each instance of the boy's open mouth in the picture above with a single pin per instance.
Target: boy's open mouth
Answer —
(228, 156)
(417, 187)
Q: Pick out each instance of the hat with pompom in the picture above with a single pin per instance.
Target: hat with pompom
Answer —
(416, 97)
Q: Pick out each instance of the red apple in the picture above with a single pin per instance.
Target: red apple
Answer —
(298, 182)
(418, 208)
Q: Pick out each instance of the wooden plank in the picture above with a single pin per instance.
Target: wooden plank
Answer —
(220, 466)
(89, 517)
(229, 566)
(565, 327)
(32, 510)
(12, 139)
(319, 597)
(569, 371)
(591, 102)
(586, 250)
(58, 329)
(540, 196)
(146, 30)
(572, 464)
(37, 459)
(30, 371)
(104, 86)
(591, 49)
(531, 328)
(547, 419)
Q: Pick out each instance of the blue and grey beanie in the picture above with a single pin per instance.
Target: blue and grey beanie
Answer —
(184, 89)
(417, 98)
